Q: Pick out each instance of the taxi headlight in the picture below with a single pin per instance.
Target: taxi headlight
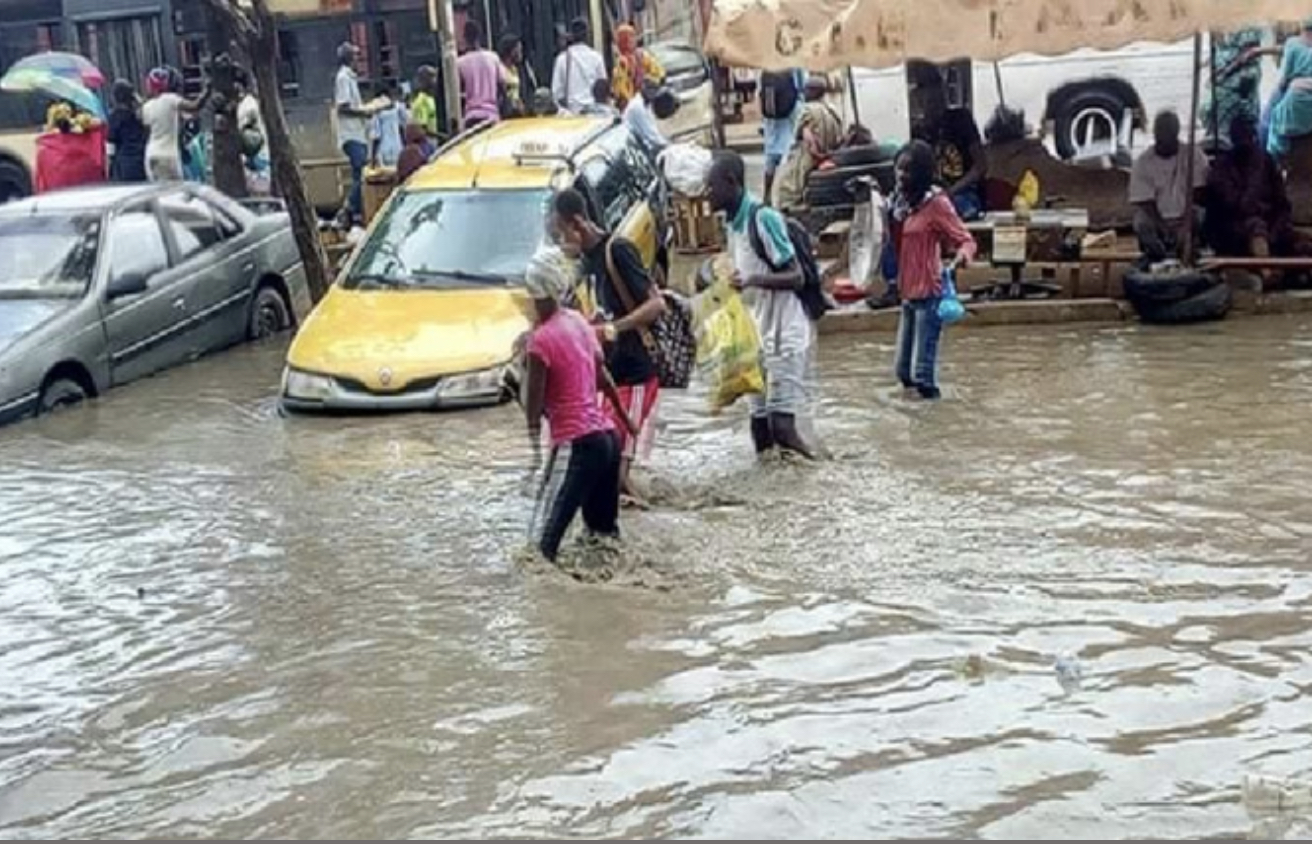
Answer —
(490, 382)
(300, 385)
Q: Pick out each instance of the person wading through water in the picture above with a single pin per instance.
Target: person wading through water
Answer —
(630, 305)
(787, 334)
(565, 374)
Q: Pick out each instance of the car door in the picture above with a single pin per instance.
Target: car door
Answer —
(146, 309)
(217, 266)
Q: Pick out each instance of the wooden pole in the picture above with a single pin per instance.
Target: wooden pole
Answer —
(1216, 113)
(1189, 151)
(997, 80)
(442, 21)
(851, 91)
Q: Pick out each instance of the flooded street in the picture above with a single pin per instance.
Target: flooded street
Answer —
(220, 623)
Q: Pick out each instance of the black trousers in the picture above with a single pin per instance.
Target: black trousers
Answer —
(583, 475)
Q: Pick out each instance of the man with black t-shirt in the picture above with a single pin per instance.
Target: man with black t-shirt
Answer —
(954, 135)
(629, 305)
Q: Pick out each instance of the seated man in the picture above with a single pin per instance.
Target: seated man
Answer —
(1248, 209)
(954, 135)
(819, 134)
(1159, 191)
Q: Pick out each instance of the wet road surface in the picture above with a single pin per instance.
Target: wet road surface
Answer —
(219, 623)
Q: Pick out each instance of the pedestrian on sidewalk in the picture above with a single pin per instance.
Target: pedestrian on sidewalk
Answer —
(819, 134)
(352, 127)
(480, 79)
(577, 70)
(565, 375)
(787, 333)
(163, 116)
(781, 104)
(931, 228)
(629, 304)
(128, 136)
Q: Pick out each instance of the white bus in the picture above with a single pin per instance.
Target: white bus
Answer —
(1093, 102)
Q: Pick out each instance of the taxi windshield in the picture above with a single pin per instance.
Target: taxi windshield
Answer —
(444, 239)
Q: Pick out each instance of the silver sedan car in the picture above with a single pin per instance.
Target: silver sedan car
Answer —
(105, 285)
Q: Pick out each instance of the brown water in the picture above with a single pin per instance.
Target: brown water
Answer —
(336, 639)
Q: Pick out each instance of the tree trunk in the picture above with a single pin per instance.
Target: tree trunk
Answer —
(257, 34)
(229, 170)
(288, 177)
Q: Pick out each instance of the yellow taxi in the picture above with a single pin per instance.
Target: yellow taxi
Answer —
(427, 310)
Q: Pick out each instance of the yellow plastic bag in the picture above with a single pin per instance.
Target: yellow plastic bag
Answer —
(728, 347)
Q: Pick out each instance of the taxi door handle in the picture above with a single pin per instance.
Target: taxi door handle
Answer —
(180, 304)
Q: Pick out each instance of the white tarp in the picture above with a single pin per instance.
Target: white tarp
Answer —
(824, 35)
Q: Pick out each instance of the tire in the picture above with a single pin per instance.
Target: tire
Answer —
(1096, 104)
(61, 393)
(270, 314)
(1150, 289)
(1210, 305)
(15, 183)
(868, 154)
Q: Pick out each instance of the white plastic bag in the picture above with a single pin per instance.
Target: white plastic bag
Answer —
(686, 167)
(866, 240)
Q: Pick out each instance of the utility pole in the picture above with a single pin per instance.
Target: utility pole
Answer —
(442, 21)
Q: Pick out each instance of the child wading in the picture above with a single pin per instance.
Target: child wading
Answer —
(926, 225)
(787, 333)
(565, 374)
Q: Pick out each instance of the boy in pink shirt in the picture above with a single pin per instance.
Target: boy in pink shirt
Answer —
(565, 373)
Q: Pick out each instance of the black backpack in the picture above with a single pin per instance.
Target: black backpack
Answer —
(779, 94)
(812, 293)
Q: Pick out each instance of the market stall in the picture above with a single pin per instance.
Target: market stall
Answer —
(824, 35)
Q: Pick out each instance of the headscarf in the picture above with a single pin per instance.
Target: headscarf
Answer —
(626, 43)
(626, 40)
(550, 275)
(158, 81)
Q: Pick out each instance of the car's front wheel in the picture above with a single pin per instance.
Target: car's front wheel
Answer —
(270, 314)
(60, 394)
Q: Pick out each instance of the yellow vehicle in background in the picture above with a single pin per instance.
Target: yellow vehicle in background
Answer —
(427, 310)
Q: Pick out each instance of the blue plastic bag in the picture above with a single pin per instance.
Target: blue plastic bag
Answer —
(950, 309)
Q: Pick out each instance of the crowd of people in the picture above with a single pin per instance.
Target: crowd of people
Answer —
(597, 384)
(155, 138)
(402, 131)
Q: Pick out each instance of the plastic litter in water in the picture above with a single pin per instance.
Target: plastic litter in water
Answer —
(1069, 673)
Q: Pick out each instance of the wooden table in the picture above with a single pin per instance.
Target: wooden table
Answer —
(1012, 243)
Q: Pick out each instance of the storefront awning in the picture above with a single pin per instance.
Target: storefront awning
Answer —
(823, 35)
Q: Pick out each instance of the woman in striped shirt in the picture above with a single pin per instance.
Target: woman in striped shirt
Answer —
(929, 229)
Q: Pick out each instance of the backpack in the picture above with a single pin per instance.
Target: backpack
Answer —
(812, 292)
(779, 94)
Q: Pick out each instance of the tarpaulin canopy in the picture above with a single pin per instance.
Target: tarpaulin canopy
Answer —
(824, 35)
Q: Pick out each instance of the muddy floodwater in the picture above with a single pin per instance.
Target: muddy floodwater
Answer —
(1072, 600)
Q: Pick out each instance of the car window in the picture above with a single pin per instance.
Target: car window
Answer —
(615, 186)
(136, 244)
(641, 167)
(680, 60)
(444, 239)
(191, 222)
(48, 255)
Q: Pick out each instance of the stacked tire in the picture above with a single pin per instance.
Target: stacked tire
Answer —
(1178, 297)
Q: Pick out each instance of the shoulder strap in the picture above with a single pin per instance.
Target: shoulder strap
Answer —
(622, 288)
(758, 243)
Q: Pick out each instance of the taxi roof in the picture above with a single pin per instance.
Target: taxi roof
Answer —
(521, 153)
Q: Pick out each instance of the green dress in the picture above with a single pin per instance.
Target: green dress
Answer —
(1240, 92)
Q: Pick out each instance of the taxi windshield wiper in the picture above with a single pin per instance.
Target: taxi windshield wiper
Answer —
(461, 276)
(366, 281)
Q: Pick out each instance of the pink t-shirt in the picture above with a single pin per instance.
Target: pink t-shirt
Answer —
(568, 347)
(480, 77)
